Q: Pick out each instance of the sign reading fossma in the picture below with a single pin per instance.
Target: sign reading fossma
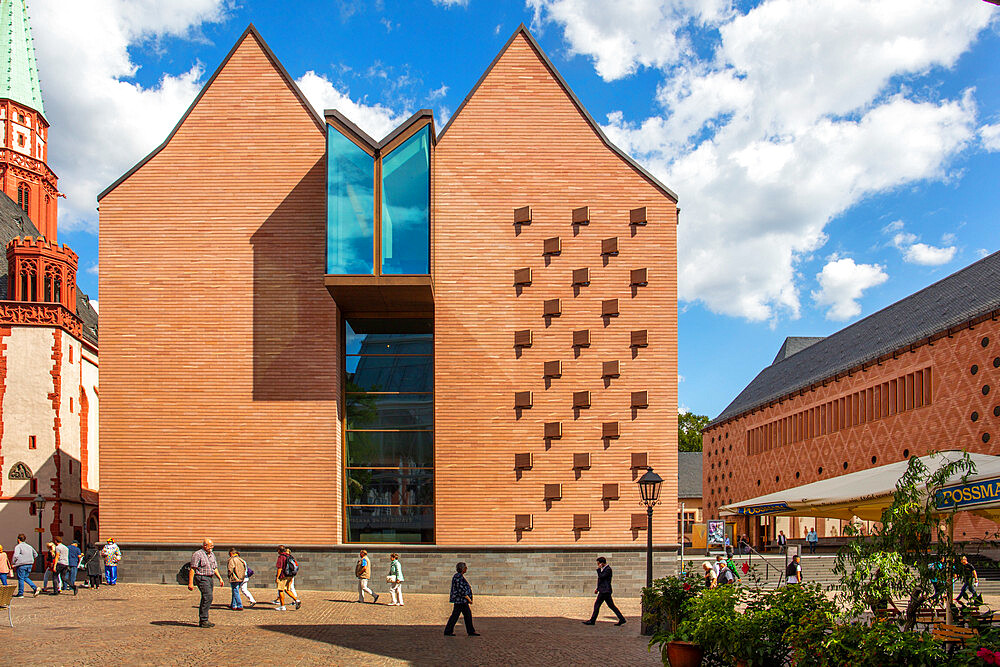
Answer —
(767, 508)
(964, 495)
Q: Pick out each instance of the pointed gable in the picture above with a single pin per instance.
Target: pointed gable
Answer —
(249, 84)
(19, 79)
(523, 86)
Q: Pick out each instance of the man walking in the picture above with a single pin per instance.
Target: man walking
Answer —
(793, 573)
(782, 542)
(112, 556)
(461, 597)
(288, 567)
(62, 565)
(970, 580)
(75, 554)
(24, 558)
(203, 568)
(813, 539)
(603, 591)
(363, 571)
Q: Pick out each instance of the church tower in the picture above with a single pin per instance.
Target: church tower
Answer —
(24, 175)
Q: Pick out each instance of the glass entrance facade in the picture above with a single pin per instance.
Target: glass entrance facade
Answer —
(389, 430)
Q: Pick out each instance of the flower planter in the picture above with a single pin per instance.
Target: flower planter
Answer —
(684, 654)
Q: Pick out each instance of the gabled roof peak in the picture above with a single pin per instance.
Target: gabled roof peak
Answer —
(523, 31)
(365, 138)
(19, 79)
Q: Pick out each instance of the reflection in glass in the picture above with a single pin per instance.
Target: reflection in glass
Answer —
(401, 486)
(399, 373)
(406, 206)
(390, 411)
(379, 449)
(390, 524)
(399, 336)
(350, 211)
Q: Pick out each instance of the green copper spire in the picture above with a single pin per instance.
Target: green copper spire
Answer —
(18, 71)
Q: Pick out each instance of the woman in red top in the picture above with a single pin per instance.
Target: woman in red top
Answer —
(51, 560)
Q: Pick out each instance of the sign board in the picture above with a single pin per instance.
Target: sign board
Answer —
(767, 508)
(716, 533)
(965, 495)
(699, 532)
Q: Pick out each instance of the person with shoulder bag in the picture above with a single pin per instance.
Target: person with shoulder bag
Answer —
(237, 568)
(363, 571)
(395, 581)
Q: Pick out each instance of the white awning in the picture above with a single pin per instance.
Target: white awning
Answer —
(865, 494)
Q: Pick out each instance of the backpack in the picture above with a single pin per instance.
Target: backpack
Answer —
(291, 567)
(792, 569)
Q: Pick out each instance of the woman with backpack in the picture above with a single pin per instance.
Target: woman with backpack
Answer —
(287, 568)
(95, 568)
(395, 581)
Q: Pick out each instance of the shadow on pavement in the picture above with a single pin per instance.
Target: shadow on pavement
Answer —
(180, 624)
(551, 641)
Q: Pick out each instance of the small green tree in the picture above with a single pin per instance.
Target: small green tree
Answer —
(904, 556)
(689, 426)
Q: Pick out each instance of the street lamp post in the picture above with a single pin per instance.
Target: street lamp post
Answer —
(649, 492)
(39, 503)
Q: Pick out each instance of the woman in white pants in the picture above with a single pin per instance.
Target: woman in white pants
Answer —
(395, 580)
(245, 588)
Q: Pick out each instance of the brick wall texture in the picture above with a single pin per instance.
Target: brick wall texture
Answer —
(947, 422)
(221, 378)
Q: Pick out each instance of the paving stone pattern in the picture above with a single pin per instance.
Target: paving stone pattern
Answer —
(136, 624)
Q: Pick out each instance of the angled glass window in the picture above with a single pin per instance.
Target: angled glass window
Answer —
(350, 209)
(406, 203)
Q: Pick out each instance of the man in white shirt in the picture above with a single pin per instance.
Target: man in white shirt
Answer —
(793, 572)
(24, 558)
(62, 565)
(717, 566)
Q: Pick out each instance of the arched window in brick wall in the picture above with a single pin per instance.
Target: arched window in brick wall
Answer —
(29, 281)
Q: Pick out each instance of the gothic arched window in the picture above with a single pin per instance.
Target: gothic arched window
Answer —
(22, 196)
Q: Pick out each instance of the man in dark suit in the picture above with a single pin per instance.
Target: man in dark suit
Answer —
(604, 592)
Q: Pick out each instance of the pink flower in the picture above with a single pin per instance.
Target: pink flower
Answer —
(687, 587)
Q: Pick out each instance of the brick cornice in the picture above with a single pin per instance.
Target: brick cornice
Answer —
(40, 314)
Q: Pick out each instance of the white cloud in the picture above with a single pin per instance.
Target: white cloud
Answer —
(990, 136)
(801, 111)
(842, 282)
(451, 3)
(438, 92)
(916, 252)
(95, 305)
(375, 119)
(102, 122)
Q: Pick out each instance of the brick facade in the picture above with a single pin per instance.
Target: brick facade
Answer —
(222, 384)
(867, 438)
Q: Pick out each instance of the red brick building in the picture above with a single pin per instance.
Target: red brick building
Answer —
(919, 376)
(454, 339)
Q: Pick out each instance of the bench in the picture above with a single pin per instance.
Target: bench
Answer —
(953, 635)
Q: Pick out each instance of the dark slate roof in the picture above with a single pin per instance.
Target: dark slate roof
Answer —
(689, 474)
(15, 222)
(795, 344)
(954, 300)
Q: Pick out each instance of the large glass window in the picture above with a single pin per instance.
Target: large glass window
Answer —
(350, 209)
(406, 204)
(389, 448)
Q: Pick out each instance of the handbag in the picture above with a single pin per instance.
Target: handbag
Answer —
(391, 579)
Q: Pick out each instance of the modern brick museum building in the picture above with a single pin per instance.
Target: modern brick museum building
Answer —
(48, 329)
(919, 376)
(454, 342)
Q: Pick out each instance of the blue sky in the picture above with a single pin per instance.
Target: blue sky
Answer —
(830, 158)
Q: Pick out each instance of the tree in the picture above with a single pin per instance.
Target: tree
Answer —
(689, 426)
(910, 551)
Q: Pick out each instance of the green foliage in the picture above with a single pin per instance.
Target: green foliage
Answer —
(689, 426)
(898, 559)
(664, 601)
(818, 641)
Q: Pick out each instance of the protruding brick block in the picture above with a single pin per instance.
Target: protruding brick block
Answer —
(581, 338)
(553, 430)
(609, 369)
(522, 338)
(637, 216)
(610, 430)
(581, 522)
(552, 307)
(639, 338)
(522, 276)
(581, 216)
(609, 492)
(609, 308)
(522, 461)
(522, 216)
(581, 399)
(638, 278)
(522, 399)
(552, 369)
(581, 277)
(522, 522)
(552, 246)
(553, 492)
(609, 246)
(581, 461)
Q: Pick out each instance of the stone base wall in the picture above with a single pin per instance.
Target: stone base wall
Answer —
(545, 571)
